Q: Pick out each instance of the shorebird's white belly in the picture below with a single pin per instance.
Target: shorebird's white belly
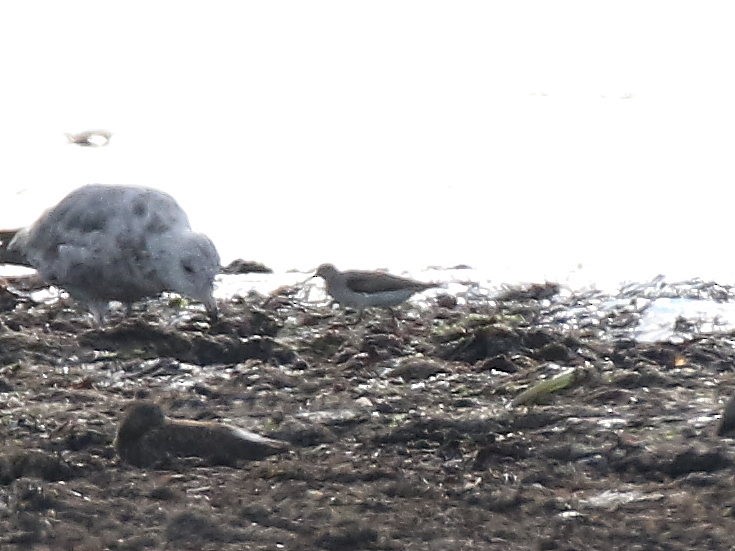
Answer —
(352, 299)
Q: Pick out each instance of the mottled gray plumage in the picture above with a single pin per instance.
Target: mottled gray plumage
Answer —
(104, 243)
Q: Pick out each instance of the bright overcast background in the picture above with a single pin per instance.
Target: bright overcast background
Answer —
(525, 138)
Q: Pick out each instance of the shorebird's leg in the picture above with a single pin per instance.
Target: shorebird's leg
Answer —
(394, 317)
(359, 317)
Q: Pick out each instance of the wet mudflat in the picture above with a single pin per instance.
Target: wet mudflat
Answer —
(421, 433)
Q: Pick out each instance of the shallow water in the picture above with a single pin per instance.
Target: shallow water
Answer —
(660, 318)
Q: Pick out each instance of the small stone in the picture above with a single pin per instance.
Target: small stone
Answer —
(446, 301)
(727, 423)
(241, 266)
(364, 401)
(417, 367)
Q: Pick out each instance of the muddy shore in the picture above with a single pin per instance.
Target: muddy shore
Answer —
(404, 435)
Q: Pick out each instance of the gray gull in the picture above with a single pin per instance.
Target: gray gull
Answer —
(104, 243)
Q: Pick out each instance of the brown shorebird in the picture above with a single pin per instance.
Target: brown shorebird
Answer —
(104, 243)
(146, 437)
(363, 289)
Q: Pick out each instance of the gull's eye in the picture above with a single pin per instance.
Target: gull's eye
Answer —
(187, 268)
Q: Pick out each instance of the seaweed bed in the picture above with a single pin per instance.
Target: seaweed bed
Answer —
(405, 434)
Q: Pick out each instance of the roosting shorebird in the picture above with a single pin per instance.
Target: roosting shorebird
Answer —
(146, 437)
(104, 243)
(363, 289)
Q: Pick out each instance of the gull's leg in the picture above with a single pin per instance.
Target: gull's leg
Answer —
(98, 309)
(212, 310)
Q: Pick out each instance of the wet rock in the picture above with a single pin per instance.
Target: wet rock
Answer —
(304, 432)
(538, 338)
(190, 527)
(346, 536)
(347, 353)
(479, 338)
(144, 341)
(501, 362)
(240, 266)
(644, 376)
(727, 423)
(358, 362)
(570, 452)
(86, 438)
(480, 343)
(11, 256)
(692, 459)
(33, 463)
(234, 321)
(30, 494)
(16, 345)
(444, 300)
(324, 343)
(673, 461)
(554, 352)
(335, 418)
(8, 299)
(499, 501)
(364, 402)
(145, 437)
(417, 368)
(382, 345)
(442, 430)
(535, 419)
(533, 291)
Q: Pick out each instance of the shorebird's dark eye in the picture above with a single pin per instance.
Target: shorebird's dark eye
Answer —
(188, 269)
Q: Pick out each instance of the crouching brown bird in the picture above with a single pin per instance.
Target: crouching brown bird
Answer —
(146, 437)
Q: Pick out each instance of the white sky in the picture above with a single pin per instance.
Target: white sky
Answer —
(526, 137)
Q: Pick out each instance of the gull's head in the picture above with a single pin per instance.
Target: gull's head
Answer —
(139, 418)
(326, 271)
(189, 264)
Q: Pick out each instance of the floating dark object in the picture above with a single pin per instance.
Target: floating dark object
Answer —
(90, 138)
(146, 437)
